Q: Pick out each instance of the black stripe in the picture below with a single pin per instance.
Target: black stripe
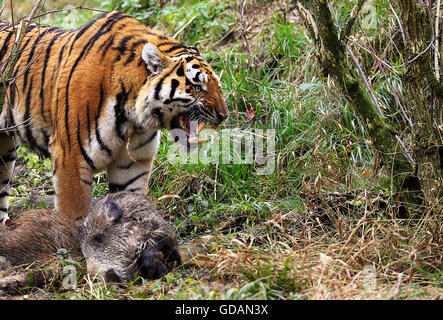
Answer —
(180, 53)
(89, 183)
(145, 142)
(105, 29)
(158, 87)
(124, 167)
(132, 50)
(160, 36)
(5, 45)
(4, 210)
(31, 55)
(167, 44)
(109, 43)
(122, 47)
(12, 91)
(114, 187)
(7, 158)
(28, 131)
(184, 100)
(4, 194)
(174, 85)
(180, 71)
(46, 138)
(28, 127)
(103, 146)
(5, 182)
(122, 44)
(45, 65)
(20, 61)
(82, 150)
(13, 150)
(60, 55)
(157, 112)
(174, 47)
(196, 78)
(120, 111)
(80, 32)
(88, 119)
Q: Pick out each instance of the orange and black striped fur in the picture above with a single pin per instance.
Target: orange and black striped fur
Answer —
(95, 98)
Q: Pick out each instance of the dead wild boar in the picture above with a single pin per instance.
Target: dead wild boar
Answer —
(123, 236)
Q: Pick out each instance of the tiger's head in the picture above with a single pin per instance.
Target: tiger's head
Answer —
(181, 89)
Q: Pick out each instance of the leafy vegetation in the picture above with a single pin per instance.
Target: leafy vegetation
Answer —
(323, 224)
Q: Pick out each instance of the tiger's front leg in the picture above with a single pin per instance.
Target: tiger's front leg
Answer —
(8, 154)
(73, 187)
(132, 168)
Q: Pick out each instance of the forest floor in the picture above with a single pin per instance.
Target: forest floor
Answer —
(322, 225)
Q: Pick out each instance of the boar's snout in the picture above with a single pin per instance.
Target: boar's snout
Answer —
(111, 276)
(150, 265)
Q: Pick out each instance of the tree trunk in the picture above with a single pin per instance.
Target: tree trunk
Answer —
(418, 74)
(332, 55)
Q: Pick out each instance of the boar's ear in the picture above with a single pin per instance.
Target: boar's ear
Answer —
(79, 231)
(111, 211)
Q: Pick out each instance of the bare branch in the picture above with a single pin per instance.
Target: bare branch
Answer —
(398, 21)
(365, 81)
(185, 25)
(68, 9)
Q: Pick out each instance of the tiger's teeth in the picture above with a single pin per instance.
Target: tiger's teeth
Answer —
(180, 122)
(214, 126)
(201, 126)
(197, 140)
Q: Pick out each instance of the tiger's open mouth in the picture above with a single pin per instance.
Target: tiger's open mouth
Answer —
(191, 127)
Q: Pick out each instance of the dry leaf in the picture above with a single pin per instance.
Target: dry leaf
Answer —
(250, 114)
(366, 174)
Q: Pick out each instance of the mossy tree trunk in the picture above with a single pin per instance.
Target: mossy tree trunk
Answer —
(423, 95)
(334, 57)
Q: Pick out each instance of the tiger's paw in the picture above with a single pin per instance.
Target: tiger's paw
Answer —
(4, 218)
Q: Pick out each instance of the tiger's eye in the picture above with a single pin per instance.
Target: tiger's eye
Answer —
(197, 88)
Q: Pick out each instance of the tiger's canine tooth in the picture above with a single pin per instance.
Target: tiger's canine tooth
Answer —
(201, 126)
(181, 123)
(197, 140)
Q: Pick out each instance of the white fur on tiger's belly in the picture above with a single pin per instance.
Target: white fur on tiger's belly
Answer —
(3, 217)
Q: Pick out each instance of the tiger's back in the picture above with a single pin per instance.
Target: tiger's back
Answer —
(90, 96)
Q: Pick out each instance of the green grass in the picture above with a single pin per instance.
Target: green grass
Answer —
(265, 233)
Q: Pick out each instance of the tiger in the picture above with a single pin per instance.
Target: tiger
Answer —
(96, 98)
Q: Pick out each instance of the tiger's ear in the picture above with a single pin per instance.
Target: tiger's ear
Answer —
(151, 57)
